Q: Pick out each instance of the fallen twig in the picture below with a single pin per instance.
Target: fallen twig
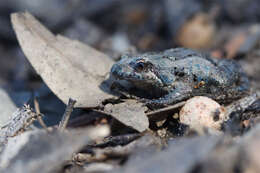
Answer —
(154, 115)
(66, 115)
(38, 112)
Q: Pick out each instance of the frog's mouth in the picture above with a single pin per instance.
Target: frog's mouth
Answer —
(137, 78)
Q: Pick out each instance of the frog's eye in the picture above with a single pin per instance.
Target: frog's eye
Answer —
(140, 66)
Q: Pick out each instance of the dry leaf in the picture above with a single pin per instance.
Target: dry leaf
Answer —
(131, 113)
(70, 68)
(7, 107)
(233, 45)
(181, 155)
(42, 152)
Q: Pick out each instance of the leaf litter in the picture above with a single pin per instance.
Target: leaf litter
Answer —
(69, 68)
(74, 70)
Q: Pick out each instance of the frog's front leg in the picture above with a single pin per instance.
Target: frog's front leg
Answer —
(174, 96)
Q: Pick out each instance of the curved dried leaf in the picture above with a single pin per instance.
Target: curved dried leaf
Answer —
(70, 68)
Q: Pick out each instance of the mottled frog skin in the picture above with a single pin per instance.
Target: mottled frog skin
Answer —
(177, 74)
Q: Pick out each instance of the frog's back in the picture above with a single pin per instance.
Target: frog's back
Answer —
(220, 74)
(180, 53)
(222, 71)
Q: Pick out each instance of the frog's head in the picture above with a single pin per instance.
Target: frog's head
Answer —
(140, 71)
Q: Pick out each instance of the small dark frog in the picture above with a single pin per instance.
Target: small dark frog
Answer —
(177, 74)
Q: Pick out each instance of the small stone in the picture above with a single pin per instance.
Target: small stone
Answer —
(202, 111)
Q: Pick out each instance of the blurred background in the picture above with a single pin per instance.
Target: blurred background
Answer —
(222, 28)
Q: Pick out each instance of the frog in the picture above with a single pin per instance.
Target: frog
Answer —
(177, 74)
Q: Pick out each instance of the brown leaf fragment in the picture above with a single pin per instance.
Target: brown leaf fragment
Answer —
(70, 68)
(197, 32)
(251, 41)
(130, 113)
(243, 42)
(233, 45)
